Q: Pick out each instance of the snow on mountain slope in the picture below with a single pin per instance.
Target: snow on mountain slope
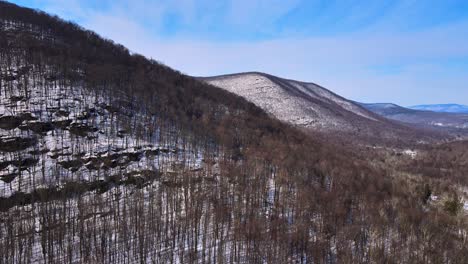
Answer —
(299, 103)
(53, 134)
(305, 104)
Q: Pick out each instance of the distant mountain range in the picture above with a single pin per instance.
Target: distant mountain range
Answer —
(419, 117)
(442, 108)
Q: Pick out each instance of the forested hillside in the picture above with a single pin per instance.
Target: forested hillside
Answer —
(108, 157)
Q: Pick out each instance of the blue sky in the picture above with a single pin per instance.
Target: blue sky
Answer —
(403, 51)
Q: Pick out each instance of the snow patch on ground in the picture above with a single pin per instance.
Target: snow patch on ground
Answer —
(411, 153)
(77, 137)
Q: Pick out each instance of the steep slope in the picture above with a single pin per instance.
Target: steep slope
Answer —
(108, 157)
(303, 104)
(443, 108)
(73, 134)
(311, 106)
(419, 117)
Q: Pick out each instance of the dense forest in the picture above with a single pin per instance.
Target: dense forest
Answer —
(109, 157)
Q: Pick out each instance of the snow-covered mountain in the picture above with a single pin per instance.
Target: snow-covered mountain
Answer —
(109, 157)
(309, 105)
(443, 108)
(299, 103)
(419, 117)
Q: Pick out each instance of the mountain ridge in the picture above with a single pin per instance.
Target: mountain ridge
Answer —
(109, 157)
(442, 108)
(289, 88)
(419, 117)
(309, 105)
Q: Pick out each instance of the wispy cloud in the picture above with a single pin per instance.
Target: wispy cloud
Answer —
(352, 58)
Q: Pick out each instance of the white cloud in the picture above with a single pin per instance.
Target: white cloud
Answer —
(341, 63)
